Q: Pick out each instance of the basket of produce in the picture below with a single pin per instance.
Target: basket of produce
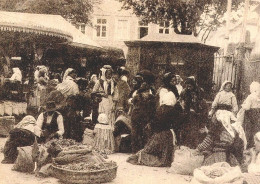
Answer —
(78, 163)
(85, 173)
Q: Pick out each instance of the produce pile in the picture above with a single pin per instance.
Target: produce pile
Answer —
(216, 172)
(78, 157)
(84, 166)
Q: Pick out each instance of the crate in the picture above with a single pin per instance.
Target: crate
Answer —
(6, 125)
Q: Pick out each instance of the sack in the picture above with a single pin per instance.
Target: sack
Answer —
(218, 173)
(185, 161)
(24, 162)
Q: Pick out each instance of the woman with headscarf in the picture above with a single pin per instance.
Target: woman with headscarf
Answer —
(224, 100)
(21, 135)
(178, 84)
(195, 113)
(69, 86)
(168, 109)
(223, 142)
(107, 88)
(249, 114)
(143, 111)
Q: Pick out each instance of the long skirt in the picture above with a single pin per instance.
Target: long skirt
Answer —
(220, 156)
(190, 130)
(158, 152)
(106, 107)
(251, 125)
(17, 138)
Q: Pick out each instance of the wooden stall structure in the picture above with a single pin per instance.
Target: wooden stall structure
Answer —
(182, 54)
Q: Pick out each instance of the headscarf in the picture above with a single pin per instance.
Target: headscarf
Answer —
(224, 84)
(255, 89)
(192, 81)
(178, 76)
(28, 123)
(166, 82)
(92, 77)
(104, 69)
(67, 72)
(17, 74)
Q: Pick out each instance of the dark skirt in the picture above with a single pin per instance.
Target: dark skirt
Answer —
(17, 138)
(251, 125)
(220, 157)
(190, 130)
(158, 152)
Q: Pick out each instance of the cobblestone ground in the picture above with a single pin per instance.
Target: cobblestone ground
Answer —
(127, 174)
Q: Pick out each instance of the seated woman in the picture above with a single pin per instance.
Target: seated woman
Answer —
(21, 135)
(159, 149)
(50, 123)
(223, 141)
(249, 114)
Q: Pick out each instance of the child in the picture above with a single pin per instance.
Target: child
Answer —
(104, 139)
(224, 100)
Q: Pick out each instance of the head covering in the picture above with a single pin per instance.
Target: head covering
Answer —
(50, 106)
(224, 84)
(148, 76)
(167, 78)
(102, 118)
(104, 70)
(67, 72)
(255, 88)
(179, 77)
(257, 137)
(92, 77)
(28, 123)
(191, 80)
(17, 74)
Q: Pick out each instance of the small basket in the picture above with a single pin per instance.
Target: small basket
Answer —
(84, 177)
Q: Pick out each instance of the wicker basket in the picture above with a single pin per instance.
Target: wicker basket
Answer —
(84, 177)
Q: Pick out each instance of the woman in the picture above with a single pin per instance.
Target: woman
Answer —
(169, 110)
(72, 119)
(195, 113)
(142, 114)
(224, 100)
(159, 149)
(50, 123)
(249, 114)
(106, 86)
(223, 142)
(21, 135)
(69, 86)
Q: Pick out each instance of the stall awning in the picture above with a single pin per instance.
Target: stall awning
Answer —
(45, 24)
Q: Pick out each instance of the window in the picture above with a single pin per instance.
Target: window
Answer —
(143, 29)
(82, 28)
(122, 30)
(164, 27)
(101, 28)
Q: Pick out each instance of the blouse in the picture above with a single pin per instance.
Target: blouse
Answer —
(167, 97)
(227, 98)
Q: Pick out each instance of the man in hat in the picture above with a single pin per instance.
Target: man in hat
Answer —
(49, 123)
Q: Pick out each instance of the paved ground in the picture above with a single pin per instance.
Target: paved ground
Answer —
(127, 174)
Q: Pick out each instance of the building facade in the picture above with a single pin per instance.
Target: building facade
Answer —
(112, 25)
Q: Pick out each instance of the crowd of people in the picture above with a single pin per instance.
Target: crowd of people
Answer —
(133, 116)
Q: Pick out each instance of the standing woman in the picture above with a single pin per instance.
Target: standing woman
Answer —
(142, 114)
(195, 113)
(169, 110)
(106, 86)
(249, 114)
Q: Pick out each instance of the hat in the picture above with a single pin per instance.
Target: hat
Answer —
(102, 118)
(50, 106)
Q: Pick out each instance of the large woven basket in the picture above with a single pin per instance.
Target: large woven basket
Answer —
(84, 177)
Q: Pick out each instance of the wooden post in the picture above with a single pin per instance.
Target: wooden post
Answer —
(229, 4)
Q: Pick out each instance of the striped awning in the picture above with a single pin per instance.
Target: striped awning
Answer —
(47, 25)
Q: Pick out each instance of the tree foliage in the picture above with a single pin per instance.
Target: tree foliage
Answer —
(73, 10)
(184, 15)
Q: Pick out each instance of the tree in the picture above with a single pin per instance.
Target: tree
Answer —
(184, 15)
(76, 11)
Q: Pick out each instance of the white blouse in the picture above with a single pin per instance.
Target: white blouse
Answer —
(167, 97)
